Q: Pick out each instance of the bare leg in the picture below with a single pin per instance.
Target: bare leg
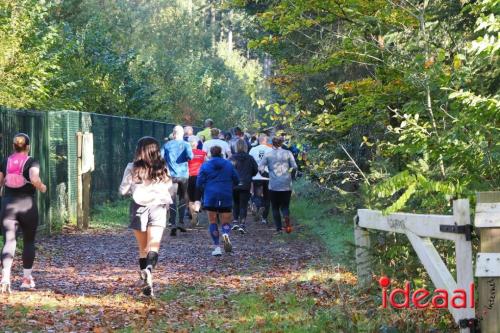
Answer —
(142, 243)
(154, 235)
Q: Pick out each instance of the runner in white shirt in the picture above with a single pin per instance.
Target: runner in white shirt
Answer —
(261, 183)
(226, 150)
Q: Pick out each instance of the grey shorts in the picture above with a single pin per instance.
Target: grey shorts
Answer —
(143, 216)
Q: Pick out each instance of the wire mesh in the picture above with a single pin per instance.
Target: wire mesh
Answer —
(55, 146)
(34, 124)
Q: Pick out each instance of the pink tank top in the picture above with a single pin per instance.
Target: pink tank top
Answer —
(14, 177)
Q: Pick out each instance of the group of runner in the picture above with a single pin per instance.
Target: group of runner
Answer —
(219, 172)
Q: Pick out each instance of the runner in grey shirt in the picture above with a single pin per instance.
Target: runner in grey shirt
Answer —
(280, 164)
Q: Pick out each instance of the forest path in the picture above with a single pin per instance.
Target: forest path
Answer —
(87, 281)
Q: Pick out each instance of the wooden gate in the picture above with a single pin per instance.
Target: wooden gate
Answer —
(420, 229)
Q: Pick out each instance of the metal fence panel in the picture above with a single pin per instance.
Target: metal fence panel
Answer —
(34, 124)
(55, 145)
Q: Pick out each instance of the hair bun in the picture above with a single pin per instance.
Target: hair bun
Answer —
(21, 141)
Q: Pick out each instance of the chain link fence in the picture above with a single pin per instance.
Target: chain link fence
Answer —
(54, 144)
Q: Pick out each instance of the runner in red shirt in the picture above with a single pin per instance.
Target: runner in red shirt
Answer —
(194, 194)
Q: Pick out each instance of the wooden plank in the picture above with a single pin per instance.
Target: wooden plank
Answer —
(362, 242)
(487, 215)
(86, 182)
(438, 272)
(488, 264)
(489, 287)
(463, 255)
(419, 224)
(79, 188)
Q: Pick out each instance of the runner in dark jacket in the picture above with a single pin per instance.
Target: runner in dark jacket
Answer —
(216, 179)
(246, 167)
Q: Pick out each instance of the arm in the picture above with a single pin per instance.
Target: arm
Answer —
(291, 161)
(35, 180)
(234, 176)
(162, 152)
(201, 179)
(263, 164)
(126, 183)
(2, 178)
(255, 167)
(190, 154)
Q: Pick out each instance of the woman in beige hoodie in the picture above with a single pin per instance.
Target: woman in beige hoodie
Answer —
(146, 179)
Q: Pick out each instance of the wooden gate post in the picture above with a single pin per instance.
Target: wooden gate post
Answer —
(487, 220)
(79, 187)
(362, 242)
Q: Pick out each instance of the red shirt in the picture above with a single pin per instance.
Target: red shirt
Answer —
(196, 162)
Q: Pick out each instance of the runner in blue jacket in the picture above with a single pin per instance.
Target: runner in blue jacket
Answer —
(216, 179)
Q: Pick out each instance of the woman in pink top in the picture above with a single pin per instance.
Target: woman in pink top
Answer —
(194, 194)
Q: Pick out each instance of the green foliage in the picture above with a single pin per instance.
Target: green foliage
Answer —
(401, 96)
(158, 60)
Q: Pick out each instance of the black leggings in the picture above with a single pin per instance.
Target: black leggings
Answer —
(240, 204)
(261, 194)
(19, 212)
(280, 201)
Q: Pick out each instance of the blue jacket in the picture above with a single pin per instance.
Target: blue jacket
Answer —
(216, 178)
(177, 153)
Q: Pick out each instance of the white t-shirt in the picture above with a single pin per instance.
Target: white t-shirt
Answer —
(217, 142)
(258, 153)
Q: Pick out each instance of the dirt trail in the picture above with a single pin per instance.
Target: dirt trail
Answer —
(87, 281)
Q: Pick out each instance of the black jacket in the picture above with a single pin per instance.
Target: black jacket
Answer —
(246, 167)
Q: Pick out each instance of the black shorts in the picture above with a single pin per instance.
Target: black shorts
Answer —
(218, 209)
(194, 193)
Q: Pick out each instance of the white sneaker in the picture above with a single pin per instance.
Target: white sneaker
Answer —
(217, 252)
(147, 278)
(228, 247)
(28, 283)
(5, 287)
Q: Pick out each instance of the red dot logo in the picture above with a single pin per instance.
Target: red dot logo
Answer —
(384, 281)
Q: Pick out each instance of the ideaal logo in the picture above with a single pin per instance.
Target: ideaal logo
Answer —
(420, 297)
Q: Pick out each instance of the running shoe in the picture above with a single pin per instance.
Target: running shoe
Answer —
(263, 221)
(173, 232)
(259, 213)
(235, 225)
(181, 229)
(217, 252)
(147, 277)
(28, 283)
(194, 218)
(242, 229)
(228, 247)
(288, 227)
(5, 288)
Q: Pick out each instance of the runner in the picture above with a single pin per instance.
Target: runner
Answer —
(189, 136)
(216, 179)
(207, 146)
(194, 194)
(261, 180)
(246, 167)
(238, 135)
(20, 177)
(207, 132)
(280, 163)
(147, 181)
(177, 153)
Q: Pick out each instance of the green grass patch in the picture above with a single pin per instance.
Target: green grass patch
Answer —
(111, 215)
(317, 214)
